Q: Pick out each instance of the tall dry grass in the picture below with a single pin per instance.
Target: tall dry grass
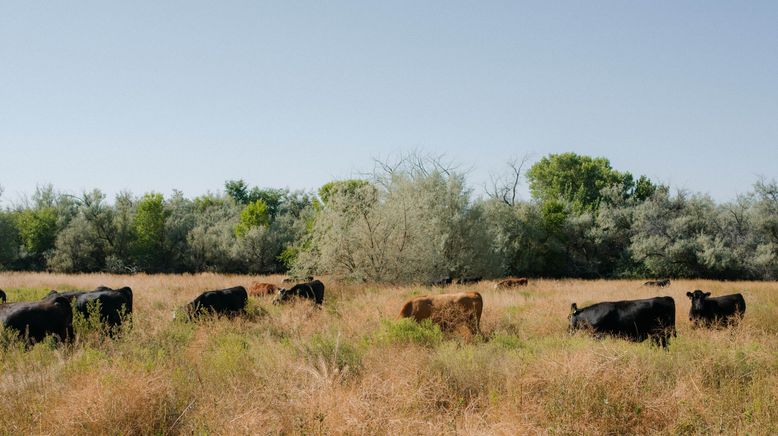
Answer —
(354, 368)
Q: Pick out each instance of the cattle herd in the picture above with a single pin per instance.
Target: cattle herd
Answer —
(635, 320)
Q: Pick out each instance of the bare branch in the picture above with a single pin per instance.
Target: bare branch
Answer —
(505, 187)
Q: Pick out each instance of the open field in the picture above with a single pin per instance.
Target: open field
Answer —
(353, 368)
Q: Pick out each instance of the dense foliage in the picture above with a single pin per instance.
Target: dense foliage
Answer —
(413, 220)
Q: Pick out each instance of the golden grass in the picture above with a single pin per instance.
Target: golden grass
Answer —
(295, 369)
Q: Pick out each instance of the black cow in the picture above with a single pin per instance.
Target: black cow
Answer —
(635, 320)
(33, 320)
(469, 280)
(709, 311)
(659, 283)
(2, 296)
(443, 281)
(114, 303)
(229, 301)
(312, 290)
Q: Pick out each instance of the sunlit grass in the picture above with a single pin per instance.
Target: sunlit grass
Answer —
(354, 367)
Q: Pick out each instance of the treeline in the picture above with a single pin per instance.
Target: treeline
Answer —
(410, 220)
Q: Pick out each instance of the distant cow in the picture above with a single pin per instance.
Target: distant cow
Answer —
(312, 290)
(659, 283)
(114, 304)
(710, 311)
(2, 296)
(443, 281)
(34, 320)
(297, 280)
(229, 301)
(469, 280)
(447, 310)
(511, 283)
(636, 320)
(262, 289)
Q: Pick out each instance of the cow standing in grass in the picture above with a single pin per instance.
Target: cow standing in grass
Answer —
(313, 291)
(34, 320)
(229, 301)
(115, 305)
(709, 311)
(447, 310)
(636, 320)
(262, 289)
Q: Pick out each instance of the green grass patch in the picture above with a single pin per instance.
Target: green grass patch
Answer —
(408, 331)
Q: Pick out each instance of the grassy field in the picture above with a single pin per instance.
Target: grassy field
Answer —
(354, 368)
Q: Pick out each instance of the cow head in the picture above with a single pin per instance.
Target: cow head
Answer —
(573, 317)
(698, 299)
(283, 295)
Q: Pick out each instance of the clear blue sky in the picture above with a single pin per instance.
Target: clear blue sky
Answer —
(163, 95)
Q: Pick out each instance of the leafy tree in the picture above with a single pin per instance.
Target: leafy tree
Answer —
(149, 228)
(578, 180)
(349, 188)
(78, 248)
(9, 240)
(239, 191)
(253, 215)
(414, 222)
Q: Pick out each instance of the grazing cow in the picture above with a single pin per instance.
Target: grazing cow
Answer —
(443, 281)
(710, 311)
(2, 296)
(114, 303)
(635, 320)
(229, 301)
(312, 290)
(297, 280)
(469, 280)
(33, 320)
(447, 310)
(261, 289)
(658, 283)
(511, 283)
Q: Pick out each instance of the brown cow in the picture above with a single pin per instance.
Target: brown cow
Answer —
(511, 283)
(447, 310)
(261, 289)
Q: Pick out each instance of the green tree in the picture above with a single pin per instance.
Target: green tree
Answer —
(348, 188)
(149, 226)
(37, 229)
(577, 180)
(240, 192)
(253, 215)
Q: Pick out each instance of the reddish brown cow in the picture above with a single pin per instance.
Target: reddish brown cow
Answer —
(511, 283)
(447, 310)
(260, 289)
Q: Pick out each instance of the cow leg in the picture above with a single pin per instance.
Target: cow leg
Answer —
(474, 327)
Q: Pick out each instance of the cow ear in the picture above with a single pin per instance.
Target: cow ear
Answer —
(689, 294)
(707, 294)
(573, 308)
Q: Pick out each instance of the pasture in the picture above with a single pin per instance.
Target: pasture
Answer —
(354, 368)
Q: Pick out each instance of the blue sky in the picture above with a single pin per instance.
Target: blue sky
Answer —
(156, 96)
